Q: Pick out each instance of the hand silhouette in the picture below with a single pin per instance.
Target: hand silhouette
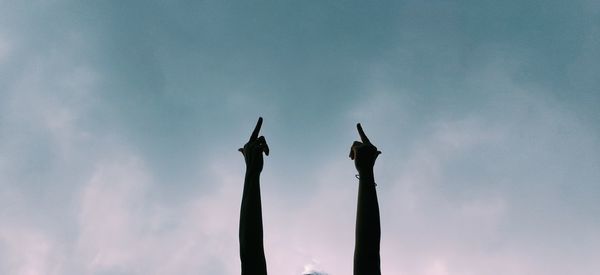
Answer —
(254, 148)
(363, 153)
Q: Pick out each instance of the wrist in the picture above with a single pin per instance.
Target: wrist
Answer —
(366, 175)
(252, 173)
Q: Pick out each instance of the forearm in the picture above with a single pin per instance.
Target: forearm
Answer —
(251, 229)
(368, 230)
(252, 252)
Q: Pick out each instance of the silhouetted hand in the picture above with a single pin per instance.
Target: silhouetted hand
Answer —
(363, 153)
(254, 148)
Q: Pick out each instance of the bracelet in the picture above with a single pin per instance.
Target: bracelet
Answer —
(358, 177)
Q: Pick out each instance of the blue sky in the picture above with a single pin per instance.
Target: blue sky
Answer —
(119, 124)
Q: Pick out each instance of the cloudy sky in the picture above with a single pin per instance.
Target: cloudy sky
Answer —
(120, 123)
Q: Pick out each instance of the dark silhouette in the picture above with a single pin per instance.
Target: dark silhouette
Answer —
(368, 231)
(252, 253)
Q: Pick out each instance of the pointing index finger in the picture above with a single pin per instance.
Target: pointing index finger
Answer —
(363, 137)
(254, 135)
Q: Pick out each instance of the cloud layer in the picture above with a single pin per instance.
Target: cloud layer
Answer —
(119, 124)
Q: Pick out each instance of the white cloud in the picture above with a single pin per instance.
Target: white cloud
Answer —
(123, 230)
(310, 269)
(28, 251)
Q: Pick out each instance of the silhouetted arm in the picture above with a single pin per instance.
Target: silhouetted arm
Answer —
(252, 253)
(368, 230)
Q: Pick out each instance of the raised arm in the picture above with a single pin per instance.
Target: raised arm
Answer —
(368, 230)
(252, 252)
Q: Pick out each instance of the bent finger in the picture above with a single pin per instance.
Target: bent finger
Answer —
(354, 145)
(263, 145)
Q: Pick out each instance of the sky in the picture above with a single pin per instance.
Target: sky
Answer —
(120, 123)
